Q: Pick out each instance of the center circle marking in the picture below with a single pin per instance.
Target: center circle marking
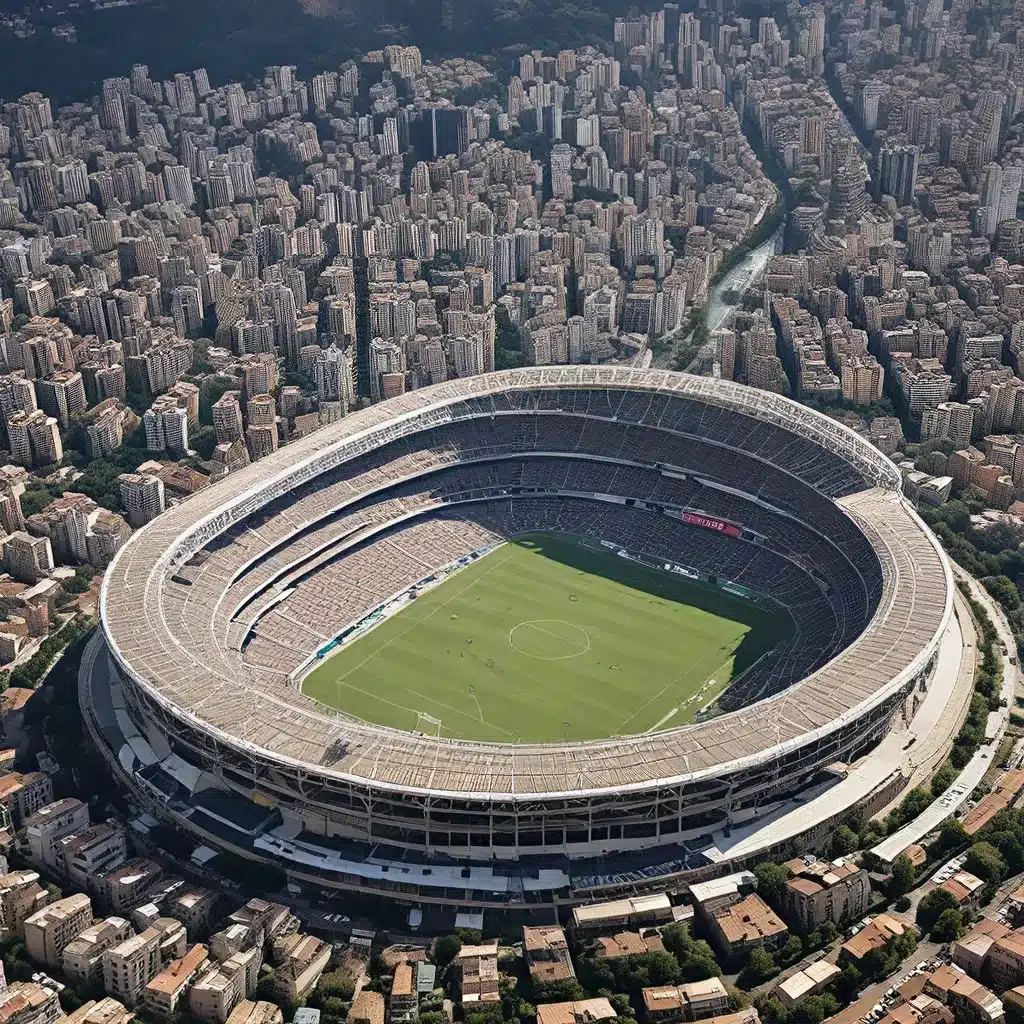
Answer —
(548, 633)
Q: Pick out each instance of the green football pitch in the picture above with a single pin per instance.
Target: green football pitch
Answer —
(546, 639)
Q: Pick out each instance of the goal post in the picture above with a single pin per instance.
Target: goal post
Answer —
(423, 719)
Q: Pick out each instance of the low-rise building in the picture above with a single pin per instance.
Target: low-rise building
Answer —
(822, 890)
(749, 1015)
(620, 915)
(1006, 961)
(83, 956)
(749, 923)
(1003, 794)
(478, 968)
(125, 885)
(672, 1004)
(965, 888)
(29, 1002)
(45, 828)
(161, 894)
(969, 1000)
(21, 896)
(244, 967)
(223, 985)
(23, 793)
(579, 1011)
(247, 1012)
(271, 920)
(167, 991)
(426, 977)
(130, 965)
(103, 1011)
(299, 962)
(233, 939)
(213, 996)
(547, 953)
(718, 893)
(88, 855)
(194, 907)
(12, 715)
(613, 947)
(367, 1008)
(811, 981)
(49, 931)
(403, 1003)
(874, 935)
(970, 951)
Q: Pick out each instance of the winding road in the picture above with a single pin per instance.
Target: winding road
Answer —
(719, 308)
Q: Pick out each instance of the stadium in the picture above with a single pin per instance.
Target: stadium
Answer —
(519, 639)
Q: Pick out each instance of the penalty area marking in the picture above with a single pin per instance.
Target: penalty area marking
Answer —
(575, 640)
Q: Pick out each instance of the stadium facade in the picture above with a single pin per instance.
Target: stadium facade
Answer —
(212, 614)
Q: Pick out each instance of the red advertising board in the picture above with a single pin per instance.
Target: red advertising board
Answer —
(710, 524)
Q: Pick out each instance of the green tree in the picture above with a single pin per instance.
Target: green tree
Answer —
(677, 940)
(952, 835)
(446, 949)
(1010, 848)
(760, 966)
(701, 964)
(771, 1011)
(932, 905)
(873, 962)
(902, 875)
(204, 441)
(843, 842)
(943, 779)
(564, 990)
(848, 984)
(948, 926)
(811, 1011)
(985, 861)
(792, 951)
(912, 805)
(621, 1004)
(336, 984)
(1004, 590)
(771, 882)
(696, 958)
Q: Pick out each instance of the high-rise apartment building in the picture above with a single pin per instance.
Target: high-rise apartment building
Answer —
(34, 438)
(62, 396)
(227, 416)
(142, 497)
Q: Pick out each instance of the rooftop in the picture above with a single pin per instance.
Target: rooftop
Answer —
(579, 1012)
(750, 920)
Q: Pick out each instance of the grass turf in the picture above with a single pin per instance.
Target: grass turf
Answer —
(542, 632)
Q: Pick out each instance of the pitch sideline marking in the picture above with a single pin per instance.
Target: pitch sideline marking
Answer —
(341, 680)
(725, 664)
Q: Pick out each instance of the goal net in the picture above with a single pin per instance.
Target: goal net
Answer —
(427, 723)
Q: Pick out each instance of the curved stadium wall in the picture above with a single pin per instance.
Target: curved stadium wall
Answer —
(201, 613)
